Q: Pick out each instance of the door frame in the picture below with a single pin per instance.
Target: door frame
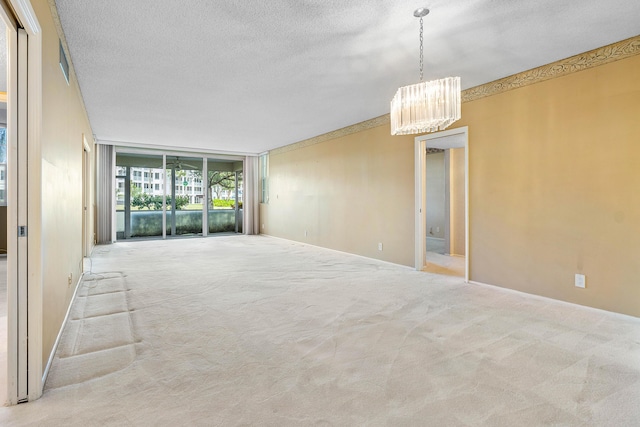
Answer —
(87, 212)
(10, 393)
(420, 148)
(24, 266)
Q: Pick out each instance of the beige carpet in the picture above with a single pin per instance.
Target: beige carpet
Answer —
(259, 331)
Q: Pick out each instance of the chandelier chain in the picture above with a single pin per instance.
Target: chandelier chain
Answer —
(421, 60)
(426, 106)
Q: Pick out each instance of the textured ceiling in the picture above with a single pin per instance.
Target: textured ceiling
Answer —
(253, 75)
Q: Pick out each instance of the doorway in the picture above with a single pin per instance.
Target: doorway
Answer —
(442, 214)
(87, 211)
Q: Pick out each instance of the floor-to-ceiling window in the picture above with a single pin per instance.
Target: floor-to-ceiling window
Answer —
(183, 193)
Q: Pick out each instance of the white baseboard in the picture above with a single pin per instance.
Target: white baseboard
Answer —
(45, 374)
(336, 250)
(549, 299)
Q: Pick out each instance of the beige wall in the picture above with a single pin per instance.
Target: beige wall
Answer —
(348, 193)
(63, 124)
(554, 169)
(554, 172)
(435, 187)
(457, 201)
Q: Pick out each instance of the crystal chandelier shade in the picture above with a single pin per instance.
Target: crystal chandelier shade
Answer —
(425, 106)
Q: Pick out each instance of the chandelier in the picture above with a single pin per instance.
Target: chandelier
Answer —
(425, 106)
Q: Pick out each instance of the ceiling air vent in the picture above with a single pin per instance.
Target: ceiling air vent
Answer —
(64, 64)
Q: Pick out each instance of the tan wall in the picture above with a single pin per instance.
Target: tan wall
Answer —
(348, 193)
(435, 187)
(63, 124)
(554, 169)
(457, 199)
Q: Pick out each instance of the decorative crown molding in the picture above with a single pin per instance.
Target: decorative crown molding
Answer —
(358, 127)
(593, 58)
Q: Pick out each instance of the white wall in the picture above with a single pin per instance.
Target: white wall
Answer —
(436, 195)
(457, 201)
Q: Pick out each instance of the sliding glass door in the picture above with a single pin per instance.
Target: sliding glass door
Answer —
(185, 198)
(224, 196)
(189, 195)
(138, 196)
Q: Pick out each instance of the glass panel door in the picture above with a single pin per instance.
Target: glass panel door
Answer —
(239, 201)
(222, 207)
(184, 202)
(121, 179)
(139, 192)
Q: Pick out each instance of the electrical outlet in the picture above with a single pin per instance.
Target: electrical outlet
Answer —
(581, 281)
(379, 246)
(70, 278)
(305, 233)
(437, 229)
(263, 226)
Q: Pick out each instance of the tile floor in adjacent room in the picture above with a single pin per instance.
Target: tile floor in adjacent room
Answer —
(438, 262)
(252, 330)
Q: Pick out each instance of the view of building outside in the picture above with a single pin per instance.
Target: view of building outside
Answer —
(195, 204)
(189, 190)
